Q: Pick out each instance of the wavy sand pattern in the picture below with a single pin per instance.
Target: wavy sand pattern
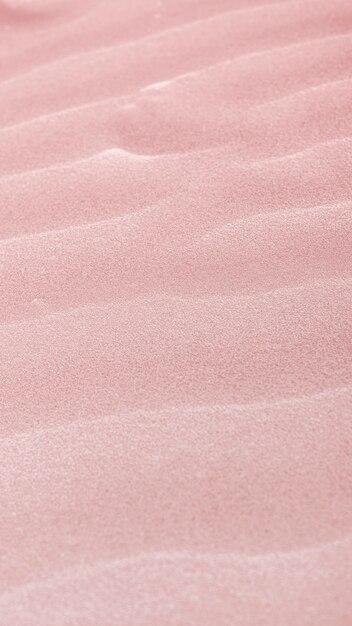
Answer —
(175, 313)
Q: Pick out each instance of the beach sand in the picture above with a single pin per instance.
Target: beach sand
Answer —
(175, 313)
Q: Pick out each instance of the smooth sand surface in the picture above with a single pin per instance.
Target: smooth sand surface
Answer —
(175, 313)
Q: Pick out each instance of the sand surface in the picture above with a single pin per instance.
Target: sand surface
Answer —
(175, 313)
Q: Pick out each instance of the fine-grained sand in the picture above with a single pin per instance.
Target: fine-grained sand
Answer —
(175, 313)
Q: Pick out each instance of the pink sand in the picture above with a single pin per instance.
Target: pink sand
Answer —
(175, 313)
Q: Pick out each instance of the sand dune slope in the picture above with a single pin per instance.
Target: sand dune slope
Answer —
(175, 313)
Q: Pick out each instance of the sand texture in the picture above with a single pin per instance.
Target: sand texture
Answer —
(175, 313)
